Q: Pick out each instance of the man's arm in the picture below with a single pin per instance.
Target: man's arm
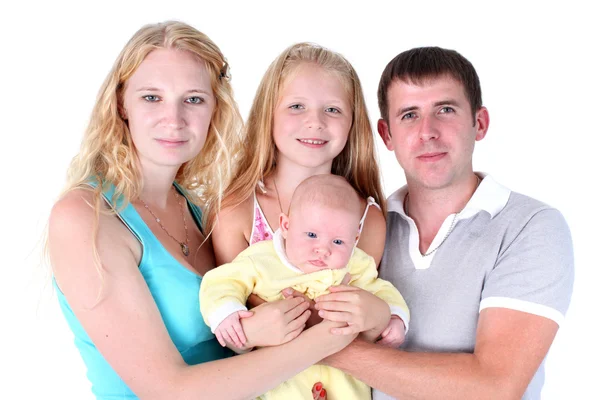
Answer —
(510, 345)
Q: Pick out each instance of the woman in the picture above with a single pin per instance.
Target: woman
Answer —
(126, 242)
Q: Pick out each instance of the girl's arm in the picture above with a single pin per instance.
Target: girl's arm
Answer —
(372, 238)
(231, 231)
(119, 314)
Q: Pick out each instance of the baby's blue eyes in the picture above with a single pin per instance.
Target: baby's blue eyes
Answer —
(313, 235)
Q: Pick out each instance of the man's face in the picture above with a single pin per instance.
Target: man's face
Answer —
(431, 131)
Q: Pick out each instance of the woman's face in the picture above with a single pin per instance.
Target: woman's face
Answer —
(168, 103)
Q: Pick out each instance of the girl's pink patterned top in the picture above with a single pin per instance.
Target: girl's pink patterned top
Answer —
(261, 229)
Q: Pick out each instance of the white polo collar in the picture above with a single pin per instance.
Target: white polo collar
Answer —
(490, 196)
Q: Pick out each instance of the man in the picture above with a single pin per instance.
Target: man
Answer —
(487, 273)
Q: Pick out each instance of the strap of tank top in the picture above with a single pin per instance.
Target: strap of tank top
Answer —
(370, 202)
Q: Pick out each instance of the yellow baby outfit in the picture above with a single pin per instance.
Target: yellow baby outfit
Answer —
(263, 269)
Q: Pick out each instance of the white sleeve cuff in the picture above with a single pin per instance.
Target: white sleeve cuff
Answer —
(224, 311)
(400, 312)
(524, 306)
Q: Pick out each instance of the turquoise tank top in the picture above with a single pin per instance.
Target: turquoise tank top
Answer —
(175, 290)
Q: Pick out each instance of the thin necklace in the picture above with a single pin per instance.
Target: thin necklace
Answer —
(451, 224)
(278, 198)
(185, 248)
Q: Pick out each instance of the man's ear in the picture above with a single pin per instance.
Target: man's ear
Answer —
(482, 123)
(284, 224)
(384, 131)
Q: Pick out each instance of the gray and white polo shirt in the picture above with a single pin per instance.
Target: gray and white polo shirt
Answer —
(506, 250)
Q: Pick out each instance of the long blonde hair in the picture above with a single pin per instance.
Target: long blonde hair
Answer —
(357, 162)
(107, 153)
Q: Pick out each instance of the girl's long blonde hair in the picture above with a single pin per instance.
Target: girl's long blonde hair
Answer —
(357, 161)
(107, 153)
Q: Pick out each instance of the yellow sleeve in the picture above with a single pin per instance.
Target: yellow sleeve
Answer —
(225, 289)
(364, 275)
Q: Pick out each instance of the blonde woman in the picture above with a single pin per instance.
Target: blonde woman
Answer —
(126, 239)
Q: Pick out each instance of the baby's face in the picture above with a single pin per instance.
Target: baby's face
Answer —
(319, 237)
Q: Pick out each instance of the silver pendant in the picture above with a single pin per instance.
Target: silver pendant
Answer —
(185, 249)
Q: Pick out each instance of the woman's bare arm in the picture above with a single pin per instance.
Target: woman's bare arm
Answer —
(125, 324)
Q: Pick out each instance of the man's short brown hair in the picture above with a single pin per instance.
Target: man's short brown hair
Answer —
(422, 63)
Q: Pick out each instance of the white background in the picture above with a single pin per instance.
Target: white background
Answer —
(538, 69)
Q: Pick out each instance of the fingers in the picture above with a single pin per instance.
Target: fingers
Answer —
(220, 338)
(342, 295)
(239, 333)
(386, 331)
(336, 306)
(300, 307)
(343, 288)
(347, 279)
(318, 392)
(337, 316)
(293, 334)
(300, 321)
(391, 339)
(245, 314)
(231, 336)
(289, 303)
(289, 292)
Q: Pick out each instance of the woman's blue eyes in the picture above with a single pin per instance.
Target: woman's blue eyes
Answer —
(151, 98)
(195, 100)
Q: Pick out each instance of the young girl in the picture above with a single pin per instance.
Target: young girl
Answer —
(308, 118)
(127, 246)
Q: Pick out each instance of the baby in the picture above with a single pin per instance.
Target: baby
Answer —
(314, 249)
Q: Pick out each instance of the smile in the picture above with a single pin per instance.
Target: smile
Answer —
(317, 142)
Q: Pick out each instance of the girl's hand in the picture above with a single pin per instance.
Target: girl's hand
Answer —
(276, 323)
(314, 314)
(359, 309)
(319, 392)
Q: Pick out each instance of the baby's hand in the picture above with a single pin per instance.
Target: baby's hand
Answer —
(393, 335)
(230, 332)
